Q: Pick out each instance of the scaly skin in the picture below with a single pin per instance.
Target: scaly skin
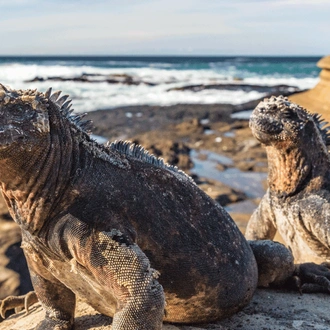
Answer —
(297, 203)
(98, 221)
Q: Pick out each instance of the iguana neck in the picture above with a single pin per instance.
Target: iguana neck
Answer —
(293, 169)
(34, 182)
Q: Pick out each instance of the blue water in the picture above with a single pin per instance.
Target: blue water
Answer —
(248, 182)
(163, 72)
(296, 66)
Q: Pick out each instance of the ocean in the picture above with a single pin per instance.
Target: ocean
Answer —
(155, 78)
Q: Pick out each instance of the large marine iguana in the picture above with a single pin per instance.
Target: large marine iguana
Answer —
(297, 202)
(105, 223)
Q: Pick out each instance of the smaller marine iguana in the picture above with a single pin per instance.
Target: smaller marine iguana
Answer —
(297, 202)
(120, 228)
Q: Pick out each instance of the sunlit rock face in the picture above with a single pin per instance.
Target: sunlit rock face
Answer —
(317, 99)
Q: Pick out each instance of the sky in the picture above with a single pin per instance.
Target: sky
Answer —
(165, 27)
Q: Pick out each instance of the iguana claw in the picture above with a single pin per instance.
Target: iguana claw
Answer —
(18, 302)
(313, 277)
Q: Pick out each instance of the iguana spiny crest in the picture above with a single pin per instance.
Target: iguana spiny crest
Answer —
(26, 113)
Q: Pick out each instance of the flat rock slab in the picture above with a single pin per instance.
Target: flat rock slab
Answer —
(269, 310)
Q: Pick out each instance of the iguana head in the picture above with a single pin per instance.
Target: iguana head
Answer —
(27, 117)
(296, 144)
(277, 121)
(23, 116)
(39, 147)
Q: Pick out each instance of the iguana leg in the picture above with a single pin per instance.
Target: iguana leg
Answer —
(262, 222)
(276, 268)
(56, 299)
(18, 302)
(125, 271)
(313, 277)
(275, 262)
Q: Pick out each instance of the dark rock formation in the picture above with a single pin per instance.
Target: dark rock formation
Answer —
(97, 78)
(270, 90)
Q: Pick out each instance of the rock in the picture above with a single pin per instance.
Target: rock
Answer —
(36, 79)
(9, 282)
(114, 123)
(246, 165)
(221, 167)
(189, 127)
(220, 192)
(173, 153)
(317, 99)
(268, 310)
(14, 274)
(97, 78)
(270, 90)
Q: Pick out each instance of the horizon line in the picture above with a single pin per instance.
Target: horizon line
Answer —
(155, 55)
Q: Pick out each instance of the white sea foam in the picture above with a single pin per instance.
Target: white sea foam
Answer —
(302, 83)
(101, 95)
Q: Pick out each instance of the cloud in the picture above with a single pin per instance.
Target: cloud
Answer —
(159, 26)
(301, 2)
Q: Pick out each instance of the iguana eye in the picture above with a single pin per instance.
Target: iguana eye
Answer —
(17, 111)
(288, 114)
(20, 113)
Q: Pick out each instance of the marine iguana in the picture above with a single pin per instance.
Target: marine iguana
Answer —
(297, 202)
(104, 223)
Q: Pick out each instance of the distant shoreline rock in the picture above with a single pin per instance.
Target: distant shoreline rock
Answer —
(96, 78)
(317, 99)
(125, 79)
(272, 90)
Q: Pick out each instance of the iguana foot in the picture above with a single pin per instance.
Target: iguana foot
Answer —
(313, 278)
(18, 302)
(52, 324)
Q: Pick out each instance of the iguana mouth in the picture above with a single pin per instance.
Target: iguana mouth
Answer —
(266, 124)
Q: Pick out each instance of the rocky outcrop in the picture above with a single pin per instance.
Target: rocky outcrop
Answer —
(268, 310)
(96, 78)
(317, 99)
(270, 90)
(125, 122)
